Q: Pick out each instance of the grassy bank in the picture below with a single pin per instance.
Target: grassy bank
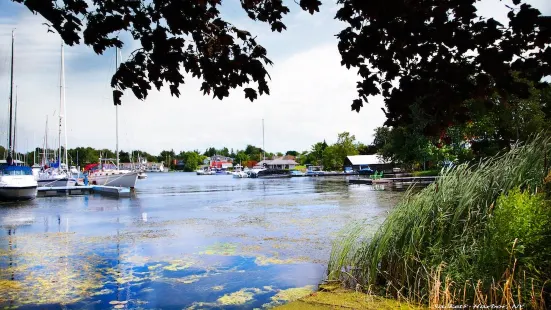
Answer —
(478, 235)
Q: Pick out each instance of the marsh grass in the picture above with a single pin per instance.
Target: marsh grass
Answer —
(431, 248)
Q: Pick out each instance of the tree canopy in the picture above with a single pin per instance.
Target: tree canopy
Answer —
(443, 54)
(175, 36)
(440, 54)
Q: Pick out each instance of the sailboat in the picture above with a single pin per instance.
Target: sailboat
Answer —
(16, 181)
(139, 167)
(104, 173)
(58, 173)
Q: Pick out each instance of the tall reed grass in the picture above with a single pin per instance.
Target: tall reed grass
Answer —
(436, 238)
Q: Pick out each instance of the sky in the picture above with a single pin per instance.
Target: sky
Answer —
(310, 92)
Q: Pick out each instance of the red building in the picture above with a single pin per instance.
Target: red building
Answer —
(221, 162)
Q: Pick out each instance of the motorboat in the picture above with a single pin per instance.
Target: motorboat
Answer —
(220, 171)
(205, 171)
(297, 173)
(16, 182)
(365, 170)
(270, 174)
(314, 171)
(142, 175)
(240, 175)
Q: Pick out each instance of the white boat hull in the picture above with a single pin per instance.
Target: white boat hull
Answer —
(127, 179)
(240, 175)
(8, 193)
(17, 187)
(57, 182)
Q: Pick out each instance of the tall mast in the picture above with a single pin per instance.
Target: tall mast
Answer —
(15, 125)
(10, 158)
(263, 149)
(117, 108)
(64, 101)
(46, 142)
(61, 110)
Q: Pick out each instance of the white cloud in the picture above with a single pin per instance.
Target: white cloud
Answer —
(310, 99)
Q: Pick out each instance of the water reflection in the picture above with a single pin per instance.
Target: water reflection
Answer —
(224, 242)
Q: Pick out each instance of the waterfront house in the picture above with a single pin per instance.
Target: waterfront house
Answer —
(278, 163)
(155, 167)
(220, 162)
(375, 162)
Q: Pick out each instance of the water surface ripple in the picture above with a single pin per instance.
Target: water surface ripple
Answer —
(182, 241)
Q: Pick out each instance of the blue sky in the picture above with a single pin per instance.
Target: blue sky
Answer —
(309, 102)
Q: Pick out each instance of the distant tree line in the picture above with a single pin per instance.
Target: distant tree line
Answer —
(330, 156)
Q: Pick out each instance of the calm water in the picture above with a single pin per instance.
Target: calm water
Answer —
(182, 241)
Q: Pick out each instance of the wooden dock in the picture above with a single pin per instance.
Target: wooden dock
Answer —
(360, 181)
(327, 174)
(399, 183)
(83, 190)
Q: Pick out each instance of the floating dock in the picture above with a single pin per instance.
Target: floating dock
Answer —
(360, 181)
(400, 183)
(83, 190)
(326, 174)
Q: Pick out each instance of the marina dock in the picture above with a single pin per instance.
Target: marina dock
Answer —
(397, 183)
(120, 192)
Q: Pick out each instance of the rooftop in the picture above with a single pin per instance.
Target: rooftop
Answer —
(366, 160)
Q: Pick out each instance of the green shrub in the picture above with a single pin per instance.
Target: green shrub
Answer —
(519, 228)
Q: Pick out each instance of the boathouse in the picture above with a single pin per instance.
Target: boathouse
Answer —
(375, 162)
(278, 163)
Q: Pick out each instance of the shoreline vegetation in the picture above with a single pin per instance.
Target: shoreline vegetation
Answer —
(478, 236)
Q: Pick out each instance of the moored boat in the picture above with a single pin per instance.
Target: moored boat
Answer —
(270, 174)
(52, 179)
(16, 181)
(314, 171)
(108, 175)
(142, 175)
(58, 174)
(113, 177)
(240, 174)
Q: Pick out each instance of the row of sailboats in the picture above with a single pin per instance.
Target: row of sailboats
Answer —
(16, 181)
(58, 174)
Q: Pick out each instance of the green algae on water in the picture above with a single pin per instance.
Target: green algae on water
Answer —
(226, 249)
(346, 299)
(177, 265)
(236, 298)
(274, 260)
(292, 294)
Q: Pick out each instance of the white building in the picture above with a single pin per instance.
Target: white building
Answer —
(278, 163)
